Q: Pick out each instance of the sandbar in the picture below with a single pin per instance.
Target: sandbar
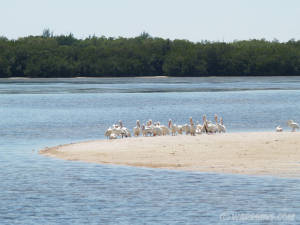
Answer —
(252, 153)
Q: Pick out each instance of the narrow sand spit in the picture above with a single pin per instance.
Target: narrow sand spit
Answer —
(261, 153)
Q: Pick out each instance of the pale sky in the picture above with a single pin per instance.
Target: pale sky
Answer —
(194, 20)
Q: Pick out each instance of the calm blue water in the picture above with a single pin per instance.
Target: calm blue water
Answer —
(38, 113)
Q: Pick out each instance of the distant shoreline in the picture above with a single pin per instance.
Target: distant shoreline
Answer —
(254, 153)
(143, 77)
(83, 77)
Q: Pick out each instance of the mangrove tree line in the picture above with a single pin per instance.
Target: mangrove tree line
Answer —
(51, 55)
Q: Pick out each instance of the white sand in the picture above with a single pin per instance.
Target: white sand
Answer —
(260, 153)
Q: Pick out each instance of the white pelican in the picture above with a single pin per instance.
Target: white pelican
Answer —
(293, 125)
(116, 130)
(147, 130)
(186, 128)
(157, 131)
(199, 128)
(124, 131)
(165, 130)
(137, 129)
(221, 126)
(149, 122)
(108, 132)
(209, 127)
(179, 129)
(204, 126)
(172, 127)
(192, 127)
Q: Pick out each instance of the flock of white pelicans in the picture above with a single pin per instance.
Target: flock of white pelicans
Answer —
(157, 129)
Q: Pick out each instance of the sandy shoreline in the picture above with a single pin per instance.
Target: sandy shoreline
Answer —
(261, 153)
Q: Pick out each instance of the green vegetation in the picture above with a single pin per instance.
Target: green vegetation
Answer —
(65, 56)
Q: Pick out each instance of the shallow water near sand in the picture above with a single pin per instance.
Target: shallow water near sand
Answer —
(36, 113)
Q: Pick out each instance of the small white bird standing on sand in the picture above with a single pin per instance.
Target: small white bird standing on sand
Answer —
(293, 125)
(279, 128)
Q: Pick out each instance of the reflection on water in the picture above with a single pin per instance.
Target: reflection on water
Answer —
(38, 190)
